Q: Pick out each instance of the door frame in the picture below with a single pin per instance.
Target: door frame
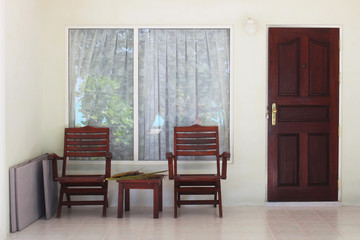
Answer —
(267, 113)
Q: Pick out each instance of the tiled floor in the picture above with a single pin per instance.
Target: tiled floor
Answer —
(198, 223)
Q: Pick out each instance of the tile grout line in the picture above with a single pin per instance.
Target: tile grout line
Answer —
(298, 225)
(331, 227)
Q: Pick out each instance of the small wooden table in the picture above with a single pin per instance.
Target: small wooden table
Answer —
(126, 185)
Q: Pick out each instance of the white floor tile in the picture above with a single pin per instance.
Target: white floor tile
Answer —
(199, 223)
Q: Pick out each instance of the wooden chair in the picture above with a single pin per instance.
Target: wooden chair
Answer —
(88, 143)
(198, 141)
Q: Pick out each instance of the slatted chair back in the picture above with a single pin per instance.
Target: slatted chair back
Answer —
(196, 141)
(86, 142)
(90, 143)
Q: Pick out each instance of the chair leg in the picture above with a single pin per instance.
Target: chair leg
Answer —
(175, 204)
(105, 204)
(58, 215)
(215, 198)
(220, 203)
(68, 199)
(178, 200)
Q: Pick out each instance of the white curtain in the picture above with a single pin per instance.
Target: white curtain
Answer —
(101, 84)
(184, 79)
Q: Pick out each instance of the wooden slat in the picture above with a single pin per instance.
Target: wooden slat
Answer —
(85, 191)
(198, 202)
(103, 142)
(84, 176)
(87, 149)
(196, 147)
(86, 154)
(86, 136)
(197, 190)
(196, 183)
(196, 128)
(195, 135)
(88, 129)
(67, 203)
(196, 141)
(196, 153)
(84, 184)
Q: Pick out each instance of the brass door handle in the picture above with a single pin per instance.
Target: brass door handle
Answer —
(273, 114)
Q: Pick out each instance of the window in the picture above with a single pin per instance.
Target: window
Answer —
(142, 88)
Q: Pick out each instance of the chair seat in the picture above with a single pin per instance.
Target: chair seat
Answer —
(197, 190)
(85, 191)
(196, 177)
(81, 179)
(199, 182)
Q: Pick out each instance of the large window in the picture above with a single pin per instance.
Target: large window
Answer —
(141, 82)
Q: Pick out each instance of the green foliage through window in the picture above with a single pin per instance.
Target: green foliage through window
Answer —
(102, 104)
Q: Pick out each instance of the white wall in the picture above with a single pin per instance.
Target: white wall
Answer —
(23, 79)
(3, 173)
(36, 76)
(23, 111)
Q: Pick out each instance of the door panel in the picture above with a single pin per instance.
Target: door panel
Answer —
(318, 159)
(288, 65)
(288, 171)
(303, 128)
(319, 71)
(304, 113)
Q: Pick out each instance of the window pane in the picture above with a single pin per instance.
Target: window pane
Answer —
(101, 84)
(184, 79)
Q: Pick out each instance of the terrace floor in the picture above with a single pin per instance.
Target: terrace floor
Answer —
(199, 223)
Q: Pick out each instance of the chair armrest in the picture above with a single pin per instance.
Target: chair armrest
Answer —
(53, 157)
(170, 157)
(224, 157)
(108, 157)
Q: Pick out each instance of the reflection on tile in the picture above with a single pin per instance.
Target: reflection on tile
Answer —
(200, 223)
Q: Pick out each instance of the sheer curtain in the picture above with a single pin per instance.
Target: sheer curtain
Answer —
(101, 84)
(184, 79)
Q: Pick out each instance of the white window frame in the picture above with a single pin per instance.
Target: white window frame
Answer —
(136, 28)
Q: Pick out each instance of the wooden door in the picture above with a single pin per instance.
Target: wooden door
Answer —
(303, 114)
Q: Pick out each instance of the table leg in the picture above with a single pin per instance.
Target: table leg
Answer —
(156, 201)
(160, 197)
(120, 200)
(127, 200)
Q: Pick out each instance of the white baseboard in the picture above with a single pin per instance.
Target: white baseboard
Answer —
(303, 204)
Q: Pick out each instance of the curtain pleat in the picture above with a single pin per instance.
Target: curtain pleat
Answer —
(184, 79)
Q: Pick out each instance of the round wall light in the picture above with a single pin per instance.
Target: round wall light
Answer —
(250, 26)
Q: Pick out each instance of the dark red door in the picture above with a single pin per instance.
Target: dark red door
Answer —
(304, 114)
